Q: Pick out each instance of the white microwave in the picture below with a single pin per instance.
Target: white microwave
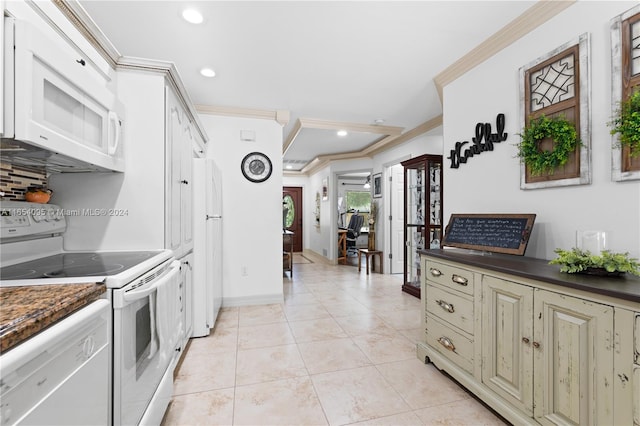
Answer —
(58, 113)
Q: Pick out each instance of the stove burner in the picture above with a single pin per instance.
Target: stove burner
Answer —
(73, 265)
(75, 271)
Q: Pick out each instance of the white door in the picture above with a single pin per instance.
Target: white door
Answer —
(396, 223)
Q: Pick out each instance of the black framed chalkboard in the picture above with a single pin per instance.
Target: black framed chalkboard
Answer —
(500, 233)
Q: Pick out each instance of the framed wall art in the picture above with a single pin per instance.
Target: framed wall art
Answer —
(554, 94)
(325, 189)
(377, 185)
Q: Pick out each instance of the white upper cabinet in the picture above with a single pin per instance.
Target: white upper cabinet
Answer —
(56, 99)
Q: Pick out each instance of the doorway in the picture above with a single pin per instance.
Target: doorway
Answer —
(292, 214)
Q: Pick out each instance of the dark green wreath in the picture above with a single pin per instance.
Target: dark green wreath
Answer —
(565, 140)
(627, 123)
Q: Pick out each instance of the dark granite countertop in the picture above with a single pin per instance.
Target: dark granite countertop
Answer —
(625, 287)
(26, 310)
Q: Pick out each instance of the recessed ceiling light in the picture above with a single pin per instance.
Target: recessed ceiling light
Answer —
(208, 72)
(192, 16)
(342, 133)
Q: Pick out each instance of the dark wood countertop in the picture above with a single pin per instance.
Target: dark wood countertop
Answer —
(625, 287)
(26, 310)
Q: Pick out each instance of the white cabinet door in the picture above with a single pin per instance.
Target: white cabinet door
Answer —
(186, 194)
(174, 135)
(186, 301)
(507, 318)
(573, 360)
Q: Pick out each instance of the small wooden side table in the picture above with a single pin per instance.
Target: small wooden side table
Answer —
(369, 254)
(342, 246)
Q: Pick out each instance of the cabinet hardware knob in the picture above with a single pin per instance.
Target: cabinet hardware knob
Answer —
(447, 343)
(435, 272)
(186, 182)
(81, 62)
(536, 345)
(525, 340)
(446, 306)
(459, 280)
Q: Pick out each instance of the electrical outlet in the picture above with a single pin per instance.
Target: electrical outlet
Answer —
(244, 271)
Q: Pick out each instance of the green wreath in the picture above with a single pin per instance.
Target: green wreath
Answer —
(565, 140)
(627, 123)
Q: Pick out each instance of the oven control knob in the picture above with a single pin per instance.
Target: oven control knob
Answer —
(38, 216)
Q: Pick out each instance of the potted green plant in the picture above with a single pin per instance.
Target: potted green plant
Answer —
(626, 123)
(607, 263)
(565, 140)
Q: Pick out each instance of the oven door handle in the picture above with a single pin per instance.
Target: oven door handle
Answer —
(146, 290)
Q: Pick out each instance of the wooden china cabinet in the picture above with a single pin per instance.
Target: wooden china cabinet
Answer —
(422, 214)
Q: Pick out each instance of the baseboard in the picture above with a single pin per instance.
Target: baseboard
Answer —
(316, 257)
(262, 299)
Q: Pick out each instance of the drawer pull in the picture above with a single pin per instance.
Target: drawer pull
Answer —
(536, 345)
(525, 340)
(446, 342)
(446, 306)
(435, 272)
(459, 280)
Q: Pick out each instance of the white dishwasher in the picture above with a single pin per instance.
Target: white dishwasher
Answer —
(60, 376)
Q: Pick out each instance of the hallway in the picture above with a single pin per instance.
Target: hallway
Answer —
(339, 350)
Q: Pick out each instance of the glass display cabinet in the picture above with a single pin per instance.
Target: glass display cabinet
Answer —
(422, 214)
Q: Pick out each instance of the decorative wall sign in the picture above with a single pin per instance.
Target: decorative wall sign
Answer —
(500, 233)
(460, 154)
(625, 78)
(556, 85)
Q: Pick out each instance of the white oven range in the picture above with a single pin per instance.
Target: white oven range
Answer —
(142, 286)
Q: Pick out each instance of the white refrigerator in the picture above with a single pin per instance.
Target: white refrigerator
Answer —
(207, 245)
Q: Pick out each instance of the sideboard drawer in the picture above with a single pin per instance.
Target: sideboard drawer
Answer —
(450, 343)
(450, 277)
(450, 307)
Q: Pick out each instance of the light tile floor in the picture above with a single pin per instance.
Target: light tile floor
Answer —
(340, 350)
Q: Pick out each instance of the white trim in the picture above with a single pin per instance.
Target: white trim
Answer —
(265, 299)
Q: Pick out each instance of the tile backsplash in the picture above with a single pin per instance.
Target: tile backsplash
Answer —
(15, 180)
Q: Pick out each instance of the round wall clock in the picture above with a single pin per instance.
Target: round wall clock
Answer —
(256, 167)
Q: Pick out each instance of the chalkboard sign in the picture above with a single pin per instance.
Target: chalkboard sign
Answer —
(500, 233)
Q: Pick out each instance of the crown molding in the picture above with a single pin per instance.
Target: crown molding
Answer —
(313, 123)
(282, 117)
(532, 18)
(78, 16)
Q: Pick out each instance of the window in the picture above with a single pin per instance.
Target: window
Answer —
(359, 201)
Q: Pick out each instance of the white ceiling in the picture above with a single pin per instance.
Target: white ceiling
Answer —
(338, 61)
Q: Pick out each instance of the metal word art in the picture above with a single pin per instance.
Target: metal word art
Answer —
(483, 131)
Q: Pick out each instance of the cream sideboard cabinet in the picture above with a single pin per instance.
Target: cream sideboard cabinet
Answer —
(538, 346)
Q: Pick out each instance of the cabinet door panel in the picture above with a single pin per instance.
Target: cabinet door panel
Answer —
(636, 394)
(174, 158)
(506, 342)
(574, 359)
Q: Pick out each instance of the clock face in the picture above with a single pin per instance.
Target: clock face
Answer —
(256, 167)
